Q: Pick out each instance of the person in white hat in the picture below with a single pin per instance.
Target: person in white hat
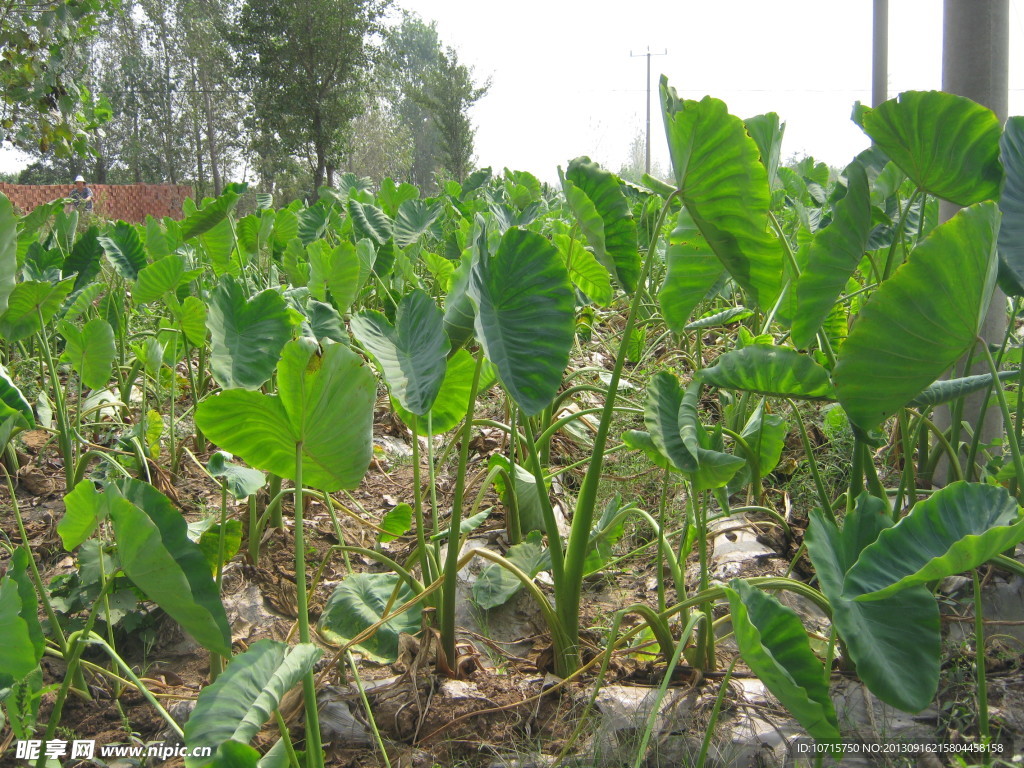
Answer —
(81, 195)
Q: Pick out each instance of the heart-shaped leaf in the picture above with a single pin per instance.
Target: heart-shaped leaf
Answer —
(452, 401)
(955, 529)
(123, 248)
(27, 302)
(596, 198)
(11, 398)
(771, 371)
(921, 320)
(894, 642)
(84, 260)
(525, 316)
(156, 553)
(158, 278)
(247, 335)
(948, 145)
(834, 254)
(725, 189)
(413, 219)
(242, 482)
(359, 602)
(411, 352)
(90, 351)
(324, 403)
(211, 214)
(774, 645)
(236, 705)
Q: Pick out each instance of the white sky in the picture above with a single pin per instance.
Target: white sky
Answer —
(564, 84)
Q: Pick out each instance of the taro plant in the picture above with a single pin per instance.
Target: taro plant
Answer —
(316, 430)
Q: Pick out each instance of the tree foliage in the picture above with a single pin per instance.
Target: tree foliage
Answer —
(305, 64)
(44, 105)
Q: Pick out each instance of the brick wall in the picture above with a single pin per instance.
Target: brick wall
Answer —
(128, 202)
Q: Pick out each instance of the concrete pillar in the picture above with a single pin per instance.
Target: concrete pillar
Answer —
(975, 64)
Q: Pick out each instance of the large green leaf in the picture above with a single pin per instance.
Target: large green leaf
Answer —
(767, 133)
(607, 221)
(411, 352)
(218, 243)
(774, 645)
(241, 482)
(955, 529)
(725, 188)
(391, 196)
(496, 584)
(459, 313)
(921, 320)
(661, 417)
(370, 221)
(765, 436)
(156, 553)
(772, 371)
(525, 316)
(21, 637)
(84, 509)
(84, 259)
(190, 316)
(714, 467)
(1011, 205)
(518, 486)
(236, 705)
(12, 398)
(452, 401)
(158, 278)
(834, 255)
(893, 642)
(359, 602)
(336, 270)
(210, 215)
(324, 403)
(585, 271)
(247, 335)
(90, 351)
(8, 250)
(948, 145)
(413, 219)
(27, 302)
(124, 249)
(944, 390)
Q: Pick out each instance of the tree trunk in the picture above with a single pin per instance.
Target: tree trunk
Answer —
(211, 134)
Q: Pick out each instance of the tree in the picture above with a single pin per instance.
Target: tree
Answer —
(380, 145)
(447, 94)
(306, 64)
(411, 49)
(43, 104)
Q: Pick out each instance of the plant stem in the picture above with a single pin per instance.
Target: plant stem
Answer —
(455, 523)
(1018, 465)
(568, 599)
(314, 749)
(979, 663)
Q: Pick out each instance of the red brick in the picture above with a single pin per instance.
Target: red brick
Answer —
(127, 202)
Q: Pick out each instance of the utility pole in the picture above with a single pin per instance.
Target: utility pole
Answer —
(880, 53)
(648, 54)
